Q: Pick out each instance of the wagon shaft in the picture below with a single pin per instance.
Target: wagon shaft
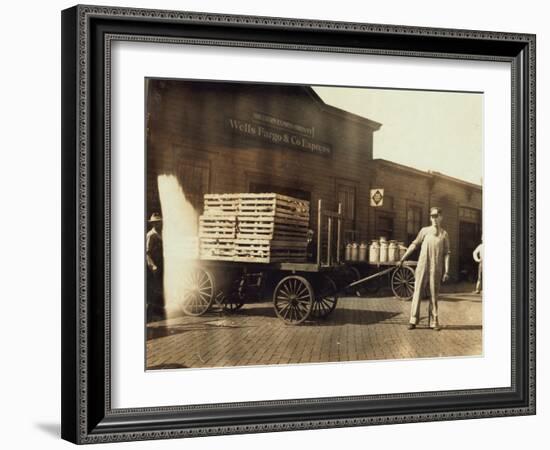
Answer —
(370, 277)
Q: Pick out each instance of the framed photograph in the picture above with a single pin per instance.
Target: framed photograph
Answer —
(283, 224)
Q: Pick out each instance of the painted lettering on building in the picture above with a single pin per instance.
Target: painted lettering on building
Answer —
(276, 136)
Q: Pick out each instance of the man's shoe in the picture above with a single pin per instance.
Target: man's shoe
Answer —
(436, 328)
(411, 326)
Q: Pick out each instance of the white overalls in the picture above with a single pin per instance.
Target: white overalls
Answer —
(431, 266)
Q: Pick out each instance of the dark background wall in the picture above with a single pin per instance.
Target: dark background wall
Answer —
(188, 135)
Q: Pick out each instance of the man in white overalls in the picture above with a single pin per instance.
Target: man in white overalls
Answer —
(432, 268)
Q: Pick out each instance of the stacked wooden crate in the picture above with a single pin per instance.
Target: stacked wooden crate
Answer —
(267, 228)
(271, 228)
(217, 227)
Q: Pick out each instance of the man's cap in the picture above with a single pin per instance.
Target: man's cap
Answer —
(155, 217)
(436, 210)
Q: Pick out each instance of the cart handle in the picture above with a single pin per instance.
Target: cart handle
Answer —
(370, 277)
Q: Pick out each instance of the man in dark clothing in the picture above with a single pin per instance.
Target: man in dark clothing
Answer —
(155, 270)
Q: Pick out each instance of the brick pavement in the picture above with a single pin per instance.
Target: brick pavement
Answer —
(358, 329)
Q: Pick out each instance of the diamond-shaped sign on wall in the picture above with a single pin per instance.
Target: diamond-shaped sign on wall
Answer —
(376, 197)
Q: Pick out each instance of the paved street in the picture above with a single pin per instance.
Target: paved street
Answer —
(358, 329)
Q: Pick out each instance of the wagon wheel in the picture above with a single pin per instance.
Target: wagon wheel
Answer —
(351, 274)
(372, 286)
(402, 282)
(293, 299)
(326, 297)
(227, 301)
(198, 293)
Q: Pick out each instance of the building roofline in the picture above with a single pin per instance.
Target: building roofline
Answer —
(305, 89)
(454, 180)
(373, 125)
(402, 167)
(427, 174)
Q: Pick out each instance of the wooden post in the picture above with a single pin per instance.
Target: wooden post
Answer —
(329, 241)
(339, 231)
(319, 220)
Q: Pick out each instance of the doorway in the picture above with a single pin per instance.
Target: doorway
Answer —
(469, 238)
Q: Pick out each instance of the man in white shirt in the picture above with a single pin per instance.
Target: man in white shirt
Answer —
(478, 258)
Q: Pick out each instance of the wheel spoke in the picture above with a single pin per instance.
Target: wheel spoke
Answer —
(326, 303)
(301, 308)
(293, 313)
(198, 294)
(284, 290)
(284, 308)
(301, 291)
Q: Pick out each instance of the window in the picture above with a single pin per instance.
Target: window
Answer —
(194, 178)
(388, 202)
(345, 195)
(414, 222)
(283, 190)
(469, 214)
(384, 226)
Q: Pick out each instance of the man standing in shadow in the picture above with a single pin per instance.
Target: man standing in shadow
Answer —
(155, 269)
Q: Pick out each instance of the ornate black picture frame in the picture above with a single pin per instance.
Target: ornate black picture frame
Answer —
(87, 34)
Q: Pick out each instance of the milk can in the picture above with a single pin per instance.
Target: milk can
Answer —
(383, 250)
(374, 252)
(354, 252)
(347, 255)
(393, 251)
(363, 252)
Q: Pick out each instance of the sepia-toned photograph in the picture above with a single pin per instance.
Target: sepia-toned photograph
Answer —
(297, 224)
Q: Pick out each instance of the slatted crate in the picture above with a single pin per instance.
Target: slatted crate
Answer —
(217, 226)
(254, 228)
(272, 216)
(266, 251)
(221, 204)
(217, 249)
(249, 227)
(270, 204)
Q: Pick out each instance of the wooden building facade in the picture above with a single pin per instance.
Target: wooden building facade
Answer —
(408, 196)
(220, 137)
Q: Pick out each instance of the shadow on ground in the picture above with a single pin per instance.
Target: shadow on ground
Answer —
(168, 366)
(337, 317)
(163, 330)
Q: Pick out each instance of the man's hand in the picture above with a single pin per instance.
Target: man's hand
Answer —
(445, 277)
